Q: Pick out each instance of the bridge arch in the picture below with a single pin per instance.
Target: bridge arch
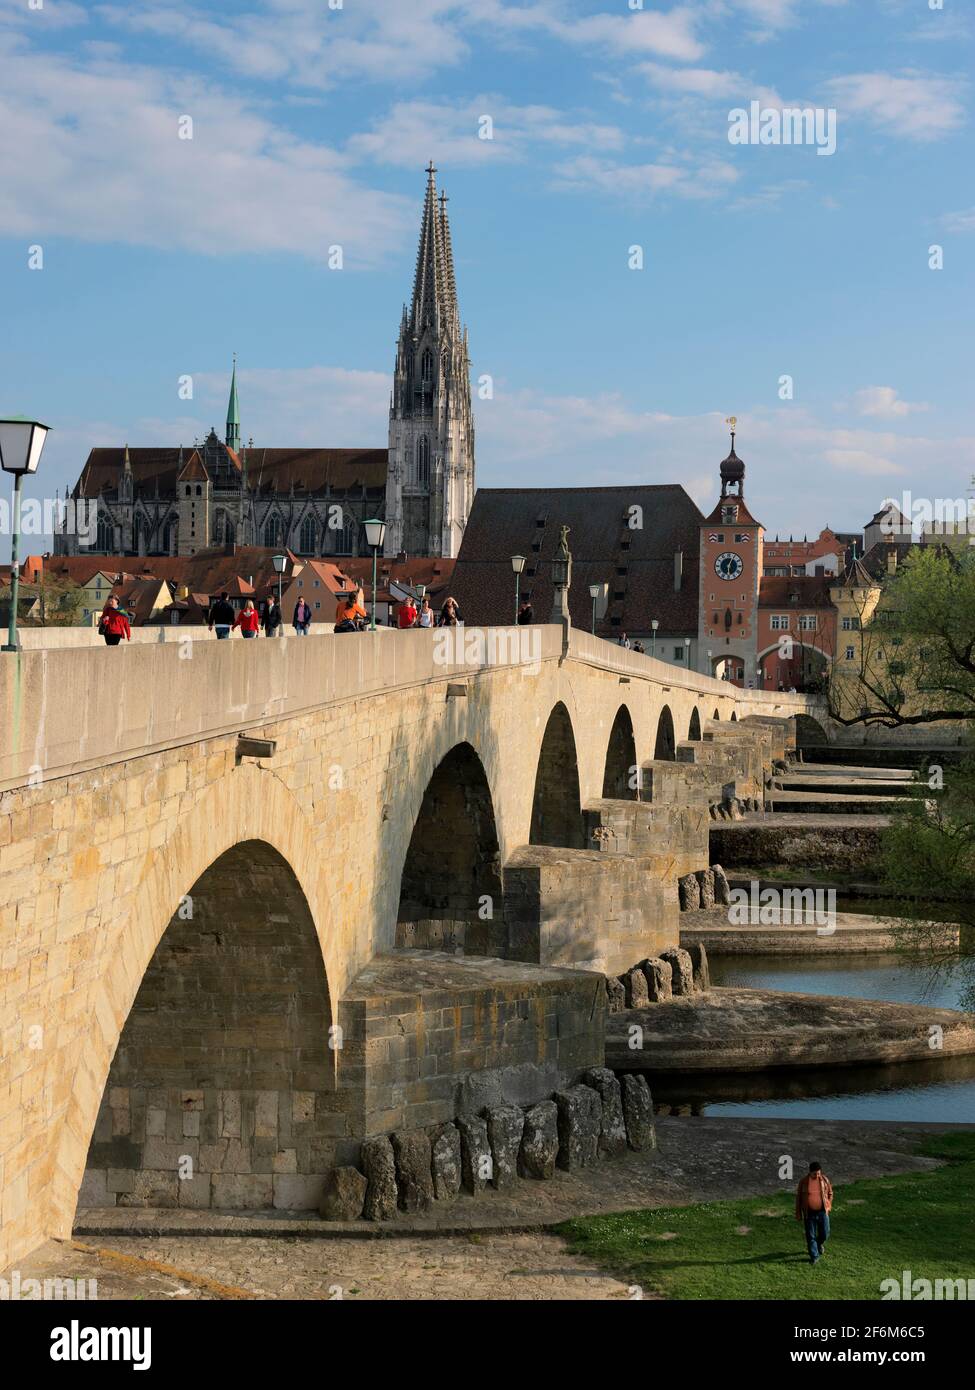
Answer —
(556, 802)
(665, 745)
(621, 760)
(734, 717)
(810, 732)
(243, 807)
(694, 727)
(451, 890)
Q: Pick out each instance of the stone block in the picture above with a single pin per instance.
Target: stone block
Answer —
(634, 984)
(705, 881)
(612, 1131)
(445, 1160)
(414, 1178)
(195, 1193)
(297, 1191)
(580, 1114)
(683, 975)
(659, 974)
(539, 1141)
(242, 1191)
(344, 1196)
(504, 1126)
(689, 892)
(699, 966)
(638, 1112)
(722, 888)
(94, 1190)
(615, 995)
(475, 1154)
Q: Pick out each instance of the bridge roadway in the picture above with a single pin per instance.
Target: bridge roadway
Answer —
(226, 910)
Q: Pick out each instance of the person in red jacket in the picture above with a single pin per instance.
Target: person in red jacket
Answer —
(406, 613)
(248, 620)
(114, 623)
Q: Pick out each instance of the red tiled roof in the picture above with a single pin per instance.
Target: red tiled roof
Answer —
(811, 590)
(309, 471)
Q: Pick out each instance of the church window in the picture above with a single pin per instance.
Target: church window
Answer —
(423, 461)
(199, 490)
(105, 535)
(427, 365)
(309, 536)
(272, 532)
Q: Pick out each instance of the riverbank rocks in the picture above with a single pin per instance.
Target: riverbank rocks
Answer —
(344, 1196)
(722, 888)
(705, 880)
(689, 892)
(539, 1141)
(475, 1155)
(445, 1162)
(612, 1130)
(659, 976)
(414, 1175)
(615, 994)
(699, 966)
(504, 1128)
(683, 973)
(634, 984)
(379, 1166)
(638, 1112)
(580, 1114)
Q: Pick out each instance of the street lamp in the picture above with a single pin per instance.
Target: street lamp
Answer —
(653, 639)
(279, 562)
(594, 594)
(687, 652)
(21, 446)
(375, 535)
(709, 671)
(517, 564)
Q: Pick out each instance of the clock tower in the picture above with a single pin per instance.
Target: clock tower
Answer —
(731, 572)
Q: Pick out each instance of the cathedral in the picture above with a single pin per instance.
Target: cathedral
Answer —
(177, 501)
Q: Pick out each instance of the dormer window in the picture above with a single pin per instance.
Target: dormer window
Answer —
(729, 513)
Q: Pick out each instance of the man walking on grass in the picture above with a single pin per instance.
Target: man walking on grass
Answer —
(814, 1198)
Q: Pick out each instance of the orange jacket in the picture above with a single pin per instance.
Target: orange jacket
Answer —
(802, 1194)
(348, 610)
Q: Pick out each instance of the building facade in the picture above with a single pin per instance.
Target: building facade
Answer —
(180, 500)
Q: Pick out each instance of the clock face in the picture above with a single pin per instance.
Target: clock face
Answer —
(728, 565)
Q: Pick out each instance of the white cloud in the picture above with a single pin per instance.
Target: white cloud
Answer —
(681, 175)
(703, 82)
(861, 461)
(93, 152)
(911, 104)
(884, 402)
(960, 221)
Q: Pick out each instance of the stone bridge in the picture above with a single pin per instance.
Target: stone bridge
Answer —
(259, 900)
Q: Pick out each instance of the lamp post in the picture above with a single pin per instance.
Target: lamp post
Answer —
(21, 446)
(709, 672)
(687, 652)
(517, 564)
(375, 535)
(594, 594)
(653, 638)
(279, 562)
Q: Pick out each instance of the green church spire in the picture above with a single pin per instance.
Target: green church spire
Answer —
(233, 413)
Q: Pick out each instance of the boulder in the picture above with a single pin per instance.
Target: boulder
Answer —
(689, 892)
(445, 1162)
(414, 1176)
(475, 1155)
(638, 1112)
(683, 973)
(659, 974)
(705, 880)
(344, 1196)
(612, 1130)
(580, 1115)
(539, 1141)
(699, 967)
(379, 1166)
(616, 995)
(634, 984)
(722, 888)
(504, 1126)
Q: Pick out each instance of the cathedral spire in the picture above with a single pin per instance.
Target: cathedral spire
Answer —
(233, 413)
(428, 284)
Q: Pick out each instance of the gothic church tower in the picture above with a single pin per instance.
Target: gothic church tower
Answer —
(430, 483)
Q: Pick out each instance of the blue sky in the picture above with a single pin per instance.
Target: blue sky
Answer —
(311, 128)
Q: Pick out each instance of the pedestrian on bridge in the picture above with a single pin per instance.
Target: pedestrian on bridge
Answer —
(221, 616)
(248, 620)
(272, 618)
(350, 615)
(450, 614)
(114, 623)
(425, 618)
(301, 618)
(406, 613)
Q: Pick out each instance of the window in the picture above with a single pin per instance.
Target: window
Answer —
(780, 622)
(850, 624)
(317, 584)
(426, 367)
(272, 532)
(307, 543)
(807, 622)
(729, 514)
(678, 653)
(849, 653)
(317, 603)
(423, 461)
(720, 538)
(741, 538)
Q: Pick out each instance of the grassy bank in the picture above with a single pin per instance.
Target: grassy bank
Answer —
(753, 1248)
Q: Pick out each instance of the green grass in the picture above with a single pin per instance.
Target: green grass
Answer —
(880, 1226)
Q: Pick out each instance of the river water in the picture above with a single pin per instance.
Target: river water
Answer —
(938, 1090)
